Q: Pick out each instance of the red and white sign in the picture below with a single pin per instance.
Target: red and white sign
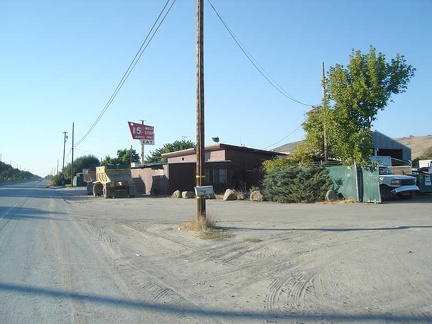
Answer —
(142, 132)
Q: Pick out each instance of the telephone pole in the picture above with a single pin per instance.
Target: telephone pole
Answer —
(64, 147)
(142, 146)
(324, 100)
(200, 149)
(73, 124)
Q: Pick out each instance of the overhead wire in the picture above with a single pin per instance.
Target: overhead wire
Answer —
(262, 71)
(284, 137)
(255, 63)
(158, 22)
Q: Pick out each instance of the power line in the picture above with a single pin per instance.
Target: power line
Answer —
(284, 137)
(132, 65)
(255, 63)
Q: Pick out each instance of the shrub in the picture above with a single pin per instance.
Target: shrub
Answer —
(291, 184)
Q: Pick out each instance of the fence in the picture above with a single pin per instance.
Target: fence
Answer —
(360, 183)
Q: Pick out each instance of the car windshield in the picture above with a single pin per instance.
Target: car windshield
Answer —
(385, 171)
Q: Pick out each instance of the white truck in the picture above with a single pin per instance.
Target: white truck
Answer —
(425, 165)
(392, 185)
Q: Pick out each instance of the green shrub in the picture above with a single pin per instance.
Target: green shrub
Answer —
(291, 184)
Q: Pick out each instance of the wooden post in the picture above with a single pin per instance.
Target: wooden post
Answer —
(200, 140)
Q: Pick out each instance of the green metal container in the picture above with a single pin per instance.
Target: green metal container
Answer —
(424, 181)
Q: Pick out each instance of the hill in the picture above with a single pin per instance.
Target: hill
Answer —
(417, 144)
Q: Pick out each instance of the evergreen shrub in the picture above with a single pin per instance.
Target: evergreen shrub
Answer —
(292, 184)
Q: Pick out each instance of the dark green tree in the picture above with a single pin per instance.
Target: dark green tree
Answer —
(156, 155)
(124, 156)
(80, 163)
(7, 172)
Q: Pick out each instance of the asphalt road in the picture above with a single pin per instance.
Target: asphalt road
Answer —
(66, 257)
(48, 271)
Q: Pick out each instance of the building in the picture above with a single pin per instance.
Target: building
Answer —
(383, 146)
(386, 146)
(226, 166)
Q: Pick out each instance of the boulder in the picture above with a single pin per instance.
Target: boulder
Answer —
(256, 195)
(240, 195)
(176, 194)
(331, 195)
(230, 194)
(188, 194)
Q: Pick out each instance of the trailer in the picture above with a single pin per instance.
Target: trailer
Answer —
(114, 181)
(89, 177)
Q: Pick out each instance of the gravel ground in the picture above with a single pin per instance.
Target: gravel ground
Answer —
(274, 263)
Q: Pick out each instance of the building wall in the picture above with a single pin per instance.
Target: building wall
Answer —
(209, 156)
(216, 155)
(181, 176)
(239, 168)
(151, 180)
(246, 167)
(183, 159)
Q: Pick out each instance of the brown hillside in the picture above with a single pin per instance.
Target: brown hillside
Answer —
(417, 144)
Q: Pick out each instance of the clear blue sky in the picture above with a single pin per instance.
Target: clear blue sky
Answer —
(60, 62)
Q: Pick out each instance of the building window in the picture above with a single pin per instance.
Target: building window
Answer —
(220, 176)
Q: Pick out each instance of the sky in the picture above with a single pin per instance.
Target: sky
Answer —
(61, 61)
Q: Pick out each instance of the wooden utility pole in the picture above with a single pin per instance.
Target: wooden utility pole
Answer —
(142, 146)
(64, 147)
(73, 124)
(324, 101)
(200, 148)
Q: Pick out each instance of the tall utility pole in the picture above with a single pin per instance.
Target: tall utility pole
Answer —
(142, 146)
(64, 146)
(73, 124)
(200, 149)
(324, 100)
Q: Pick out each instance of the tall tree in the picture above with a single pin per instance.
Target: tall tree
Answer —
(80, 163)
(156, 155)
(355, 94)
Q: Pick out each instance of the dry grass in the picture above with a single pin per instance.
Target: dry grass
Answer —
(417, 144)
(206, 228)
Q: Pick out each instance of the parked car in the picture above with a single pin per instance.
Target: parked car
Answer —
(392, 185)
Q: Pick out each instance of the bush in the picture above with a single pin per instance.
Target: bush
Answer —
(291, 184)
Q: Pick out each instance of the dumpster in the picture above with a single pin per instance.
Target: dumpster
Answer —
(424, 181)
(78, 180)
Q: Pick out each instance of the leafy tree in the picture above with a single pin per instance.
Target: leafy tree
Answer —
(124, 156)
(80, 163)
(354, 96)
(156, 155)
(7, 172)
(277, 162)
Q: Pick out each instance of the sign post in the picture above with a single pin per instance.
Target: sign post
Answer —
(144, 133)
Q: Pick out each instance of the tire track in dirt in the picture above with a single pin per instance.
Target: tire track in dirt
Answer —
(304, 285)
(147, 281)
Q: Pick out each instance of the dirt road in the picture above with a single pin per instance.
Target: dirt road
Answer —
(279, 263)
(283, 263)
